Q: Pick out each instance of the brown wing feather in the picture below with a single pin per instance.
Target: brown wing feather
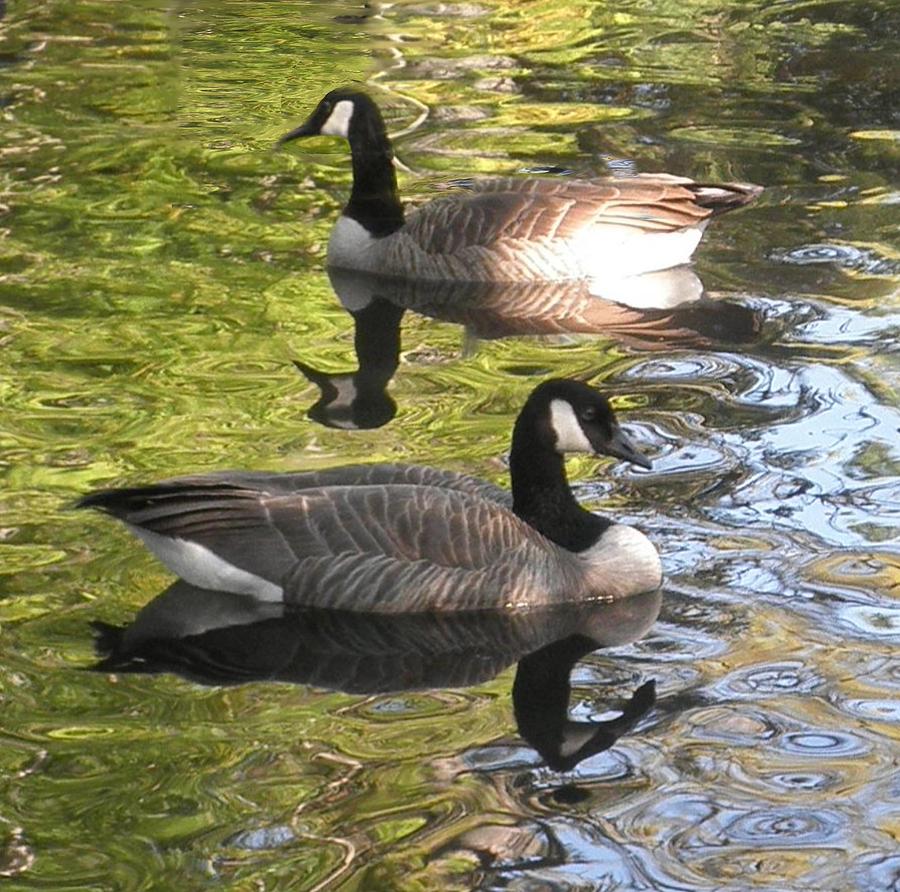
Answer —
(385, 585)
(511, 209)
(399, 538)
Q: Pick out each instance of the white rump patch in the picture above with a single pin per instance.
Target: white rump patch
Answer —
(199, 566)
(338, 123)
(569, 435)
(664, 289)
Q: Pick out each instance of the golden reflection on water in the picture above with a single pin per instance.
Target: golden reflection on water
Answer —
(160, 267)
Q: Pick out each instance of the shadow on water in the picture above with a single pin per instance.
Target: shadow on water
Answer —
(656, 311)
(218, 638)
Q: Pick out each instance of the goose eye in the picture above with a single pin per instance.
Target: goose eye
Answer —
(588, 414)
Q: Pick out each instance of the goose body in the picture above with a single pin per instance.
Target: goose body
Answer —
(509, 229)
(401, 538)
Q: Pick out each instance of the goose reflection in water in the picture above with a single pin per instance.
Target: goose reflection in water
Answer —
(654, 311)
(220, 638)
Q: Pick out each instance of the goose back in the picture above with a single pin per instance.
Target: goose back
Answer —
(383, 474)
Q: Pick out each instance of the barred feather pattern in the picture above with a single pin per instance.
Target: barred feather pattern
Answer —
(384, 547)
(509, 229)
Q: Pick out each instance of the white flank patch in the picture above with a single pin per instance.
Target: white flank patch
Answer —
(338, 123)
(604, 254)
(350, 245)
(569, 435)
(199, 566)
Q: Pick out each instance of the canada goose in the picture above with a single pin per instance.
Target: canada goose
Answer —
(394, 538)
(509, 229)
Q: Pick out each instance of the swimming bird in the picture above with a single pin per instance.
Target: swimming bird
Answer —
(406, 538)
(509, 229)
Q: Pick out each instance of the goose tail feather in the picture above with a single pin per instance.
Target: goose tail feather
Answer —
(136, 504)
(722, 197)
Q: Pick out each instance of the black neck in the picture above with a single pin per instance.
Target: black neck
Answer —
(541, 494)
(374, 201)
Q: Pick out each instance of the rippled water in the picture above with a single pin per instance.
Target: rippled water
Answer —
(161, 267)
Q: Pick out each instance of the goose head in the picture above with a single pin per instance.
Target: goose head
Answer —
(564, 415)
(343, 112)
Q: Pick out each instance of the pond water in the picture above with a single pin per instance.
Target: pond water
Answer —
(160, 270)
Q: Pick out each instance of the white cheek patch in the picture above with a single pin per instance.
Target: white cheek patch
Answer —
(569, 435)
(343, 402)
(346, 392)
(575, 736)
(338, 123)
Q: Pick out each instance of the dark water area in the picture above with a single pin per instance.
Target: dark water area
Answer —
(164, 309)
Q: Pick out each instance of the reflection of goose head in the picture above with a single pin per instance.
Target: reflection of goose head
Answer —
(541, 703)
(541, 689)
(222, 638)
(359, 400)
(351, 401)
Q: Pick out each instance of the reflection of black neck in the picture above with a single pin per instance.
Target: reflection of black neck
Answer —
(541, 493)
(541, 703)
(360, 399)
(375, 200)
(376, 339)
